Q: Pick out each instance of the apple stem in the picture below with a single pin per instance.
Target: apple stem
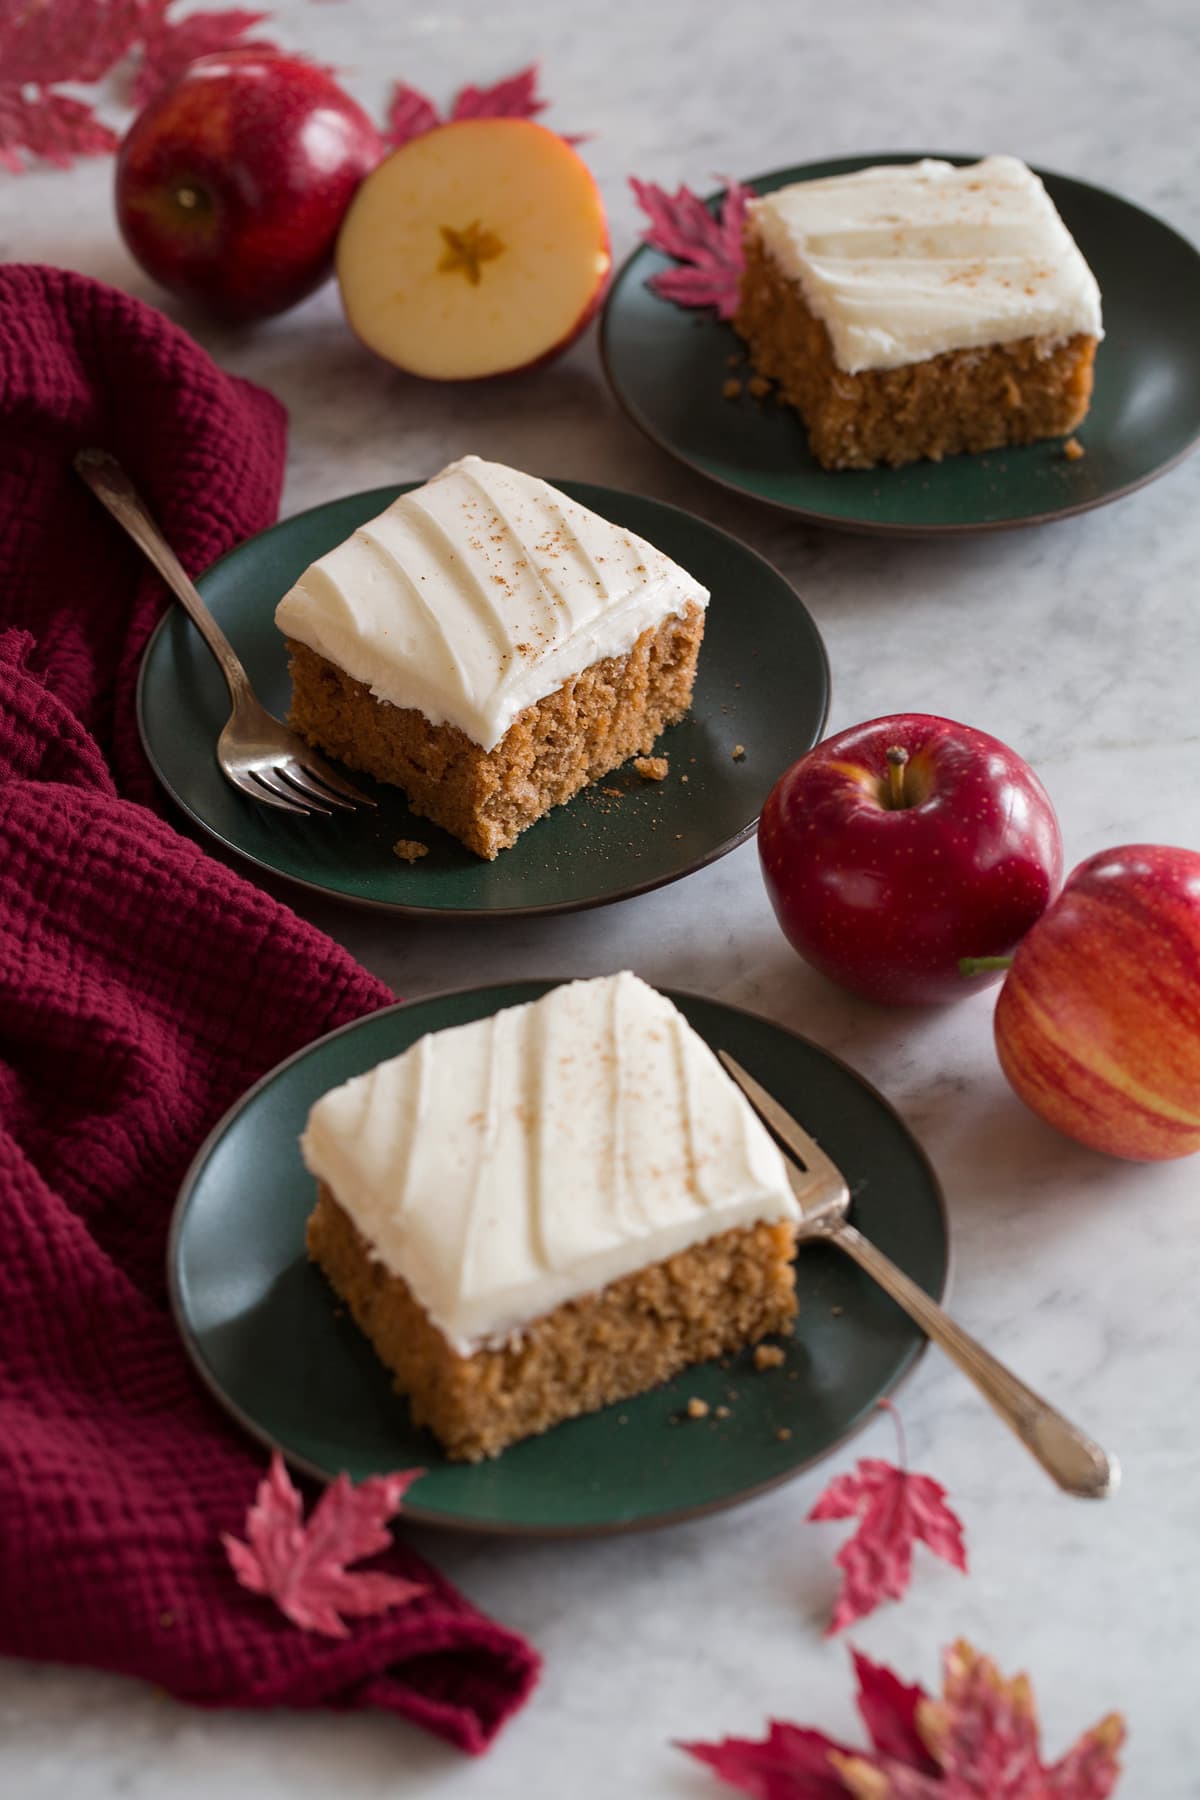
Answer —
(983, 965)
(896, 759)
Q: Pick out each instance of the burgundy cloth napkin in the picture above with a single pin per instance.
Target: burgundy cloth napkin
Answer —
(143, 987)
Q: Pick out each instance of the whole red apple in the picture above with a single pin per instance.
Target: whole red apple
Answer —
(232, 185)
(897, 848)
(1098, 1021)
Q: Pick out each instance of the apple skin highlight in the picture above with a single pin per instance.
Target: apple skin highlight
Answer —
(887, 899)
(1098, 1022)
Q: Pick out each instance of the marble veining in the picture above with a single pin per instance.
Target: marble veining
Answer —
(1079, 643)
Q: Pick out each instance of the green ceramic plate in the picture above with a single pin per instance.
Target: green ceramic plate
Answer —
(264, 1331)
(763, 682)
(666, 367)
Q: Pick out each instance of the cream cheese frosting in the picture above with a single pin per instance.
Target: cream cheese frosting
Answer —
(906, 261)
(509, 1165)
(480, 593)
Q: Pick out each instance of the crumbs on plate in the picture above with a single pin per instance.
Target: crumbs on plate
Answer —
(409, 850)
(651, 768)
(768, 1356)
(1073, 449)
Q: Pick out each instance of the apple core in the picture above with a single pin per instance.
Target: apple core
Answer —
(467, 250)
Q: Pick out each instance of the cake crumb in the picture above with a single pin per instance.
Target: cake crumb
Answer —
(783, 1434)
(758, 386)
(732, 388)
(683, 778)
(697, 1408)
(767, 1356)
(409, 850)
(1073, 449)
(739, 753)
(651, 768)
(613, 793)
(722, 1412)
(835, 1312)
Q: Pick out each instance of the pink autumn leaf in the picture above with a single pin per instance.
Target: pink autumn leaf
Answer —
(169, 45)
(980, 1741)
(896, 1510)
(515, 97)
(985, 1744)
(41, 44)
(52, 126)
(303, 1567)
(411, 113)
(888, 1707)
(47, 41)
(707, 244)
(790, 1763)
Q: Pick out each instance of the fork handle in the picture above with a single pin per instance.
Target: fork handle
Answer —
(113, 488)
(1076, 1463)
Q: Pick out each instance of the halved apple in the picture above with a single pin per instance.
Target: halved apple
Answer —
(479, 248)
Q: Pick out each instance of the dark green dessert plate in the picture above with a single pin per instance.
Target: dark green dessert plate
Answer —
(762, 687)
(667, 368)
(268, 1337)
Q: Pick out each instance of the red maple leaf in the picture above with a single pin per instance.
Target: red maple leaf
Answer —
(980, 1741)
(896, 1509)
(47, 41)
(42, 43)
(52, 126)
(169, 45)
(411, 113)
(303, 1566)
(707, 244)
(515, 97)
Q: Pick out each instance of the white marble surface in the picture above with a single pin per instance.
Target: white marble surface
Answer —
(1079, 643)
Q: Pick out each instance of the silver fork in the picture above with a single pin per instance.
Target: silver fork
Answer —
(257, 753)
(1076, 1463)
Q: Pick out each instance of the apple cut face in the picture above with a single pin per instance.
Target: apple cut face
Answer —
(477, 249)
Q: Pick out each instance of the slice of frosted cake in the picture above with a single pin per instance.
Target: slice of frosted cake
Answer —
(920, 309)
(491, 647)
(549, 1210)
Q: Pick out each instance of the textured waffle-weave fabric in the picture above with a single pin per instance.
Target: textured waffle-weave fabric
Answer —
(143, 988)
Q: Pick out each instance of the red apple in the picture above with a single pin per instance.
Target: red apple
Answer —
(897, 848)
(474, 250)
(1098, 1022)
(232, 185)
